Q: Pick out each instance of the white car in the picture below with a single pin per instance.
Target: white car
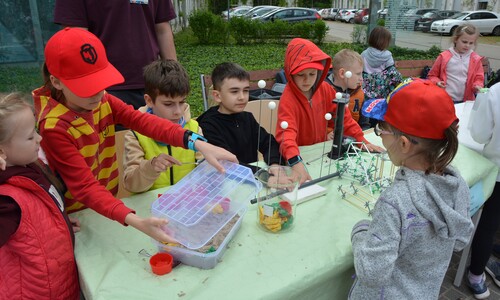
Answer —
(487, 22)
(348, 15)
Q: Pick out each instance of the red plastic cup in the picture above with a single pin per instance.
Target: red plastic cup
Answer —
(161, 263)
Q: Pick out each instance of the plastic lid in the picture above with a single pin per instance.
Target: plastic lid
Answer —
(201, 203)
(161, 263)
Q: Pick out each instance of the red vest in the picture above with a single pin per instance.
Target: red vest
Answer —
(38, 260)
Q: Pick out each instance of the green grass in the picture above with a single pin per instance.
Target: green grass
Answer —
(201, 59)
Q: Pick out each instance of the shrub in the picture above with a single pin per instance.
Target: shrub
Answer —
(381, 22)
(358, 34)
(207, 27)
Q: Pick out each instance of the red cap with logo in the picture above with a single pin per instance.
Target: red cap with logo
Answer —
(78, 59)
(416, 107)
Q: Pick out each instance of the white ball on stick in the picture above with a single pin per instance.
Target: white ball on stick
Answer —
(328, 116)
(338, 95)
(271, 105)
(284, 125)
(261, 84)
(348, 74)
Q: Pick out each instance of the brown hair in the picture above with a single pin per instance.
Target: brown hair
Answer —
(345, 58)
(166, 77)
(56, 94)
(462, 29)
(380, 38)
(10, 105)
(438, 153)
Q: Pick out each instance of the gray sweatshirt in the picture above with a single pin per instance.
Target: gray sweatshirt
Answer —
(404, 252)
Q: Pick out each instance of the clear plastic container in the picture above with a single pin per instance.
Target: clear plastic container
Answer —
(277, 201)
(202, 260)
(205, 200)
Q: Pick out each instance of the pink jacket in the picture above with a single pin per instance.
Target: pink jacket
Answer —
(475, 74)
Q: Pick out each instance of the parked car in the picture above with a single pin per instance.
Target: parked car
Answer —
(330, 13)
(338, 15)
(486, 22)
(290, 14)
(410, 17)
(260, 11)
(358, 16)
(425, 21)
(365, 19)
(347, 15)
(236, 12)
(381, 13)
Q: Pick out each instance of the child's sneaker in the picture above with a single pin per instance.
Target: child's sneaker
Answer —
(480, 290)
(493, 268)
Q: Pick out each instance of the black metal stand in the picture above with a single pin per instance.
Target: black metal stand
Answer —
(338, 134)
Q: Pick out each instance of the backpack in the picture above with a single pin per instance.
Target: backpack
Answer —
(493, 78)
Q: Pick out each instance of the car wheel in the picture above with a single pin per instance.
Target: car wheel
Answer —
(351, 20)
(496, 31)
(452, 30)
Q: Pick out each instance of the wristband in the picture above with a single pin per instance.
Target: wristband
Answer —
(294, 160)
(192, 138)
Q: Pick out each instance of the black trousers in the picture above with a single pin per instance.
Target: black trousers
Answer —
(482, 244)
(133, 97)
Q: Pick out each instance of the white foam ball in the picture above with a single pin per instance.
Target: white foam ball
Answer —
(338, 95)
(348, 74)
(261, 84)
(328, 116)
(284, 125)
(271, 105)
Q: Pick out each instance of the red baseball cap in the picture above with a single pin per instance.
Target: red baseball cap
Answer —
(78, 58)
(310, 65)
(416, 107)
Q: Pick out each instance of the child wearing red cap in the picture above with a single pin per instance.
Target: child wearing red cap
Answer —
(418, 221)
(36, 236)
(305, 101)
(77, 118)
(459, 70)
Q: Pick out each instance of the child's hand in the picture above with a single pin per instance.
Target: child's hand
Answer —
(477, 89)
(301, 170)
(3, 164)
(150, 226)
(213, 154)
(163, 161)
(75, 223)
(329, 136)
(441, 84)
(374, 148)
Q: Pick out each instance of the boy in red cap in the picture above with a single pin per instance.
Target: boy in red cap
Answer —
(77, 118)
(304, 103)
(418, 221)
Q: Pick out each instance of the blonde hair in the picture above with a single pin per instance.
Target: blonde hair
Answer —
(463, 29)
(10, 106)
(345, 58)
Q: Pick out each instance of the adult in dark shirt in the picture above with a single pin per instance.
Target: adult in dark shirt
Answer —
(134, 33)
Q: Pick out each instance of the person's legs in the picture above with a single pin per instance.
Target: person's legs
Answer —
(133, 97)
(482, 244)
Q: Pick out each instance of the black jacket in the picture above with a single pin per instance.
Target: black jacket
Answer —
(238, 133)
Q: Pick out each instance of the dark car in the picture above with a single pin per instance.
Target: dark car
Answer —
(425, 21)
(410, 18)
(259, 11)
(291, 14)
(358, 17)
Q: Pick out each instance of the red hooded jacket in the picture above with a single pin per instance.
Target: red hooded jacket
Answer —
(306, 117)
